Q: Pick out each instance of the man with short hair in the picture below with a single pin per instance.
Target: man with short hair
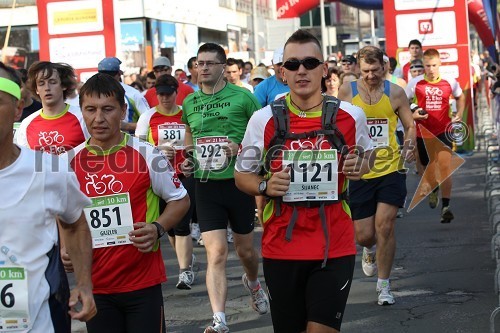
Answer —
(150, 80)
(58, 126)
(374, 200)
(161, 66)
(126, 224)
(308, 244)
(415, 49)
(247, 70)
(35, 290)
(216, 118)
(274, 85)
(136, 103)
(233, 74)
(349, 64)
(432, 93)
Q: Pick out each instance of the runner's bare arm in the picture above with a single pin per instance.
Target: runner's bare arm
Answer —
(399, 102)
(345, 92)
(79, 248)
(277, 185)
(145, 235)
(460, 108)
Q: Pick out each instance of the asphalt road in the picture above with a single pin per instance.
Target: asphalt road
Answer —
(442, 276)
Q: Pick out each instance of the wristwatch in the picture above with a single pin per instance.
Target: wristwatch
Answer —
(263, 187)
(159, 229)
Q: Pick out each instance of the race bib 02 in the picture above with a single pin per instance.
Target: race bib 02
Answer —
(172, 135)
(14, 301)
(379, 131)
(209, 152)
(110, 220)
(313, 175)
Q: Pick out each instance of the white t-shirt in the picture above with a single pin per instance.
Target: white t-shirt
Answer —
(40, 186)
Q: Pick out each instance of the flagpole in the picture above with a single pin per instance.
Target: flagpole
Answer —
(7, 36)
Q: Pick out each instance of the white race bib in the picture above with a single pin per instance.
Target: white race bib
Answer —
(172, 135)
(110, 220)
(379, 131)
(313, 173)
(14, 309)
(209, 152)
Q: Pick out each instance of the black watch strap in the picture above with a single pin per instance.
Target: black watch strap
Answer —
(159, 229)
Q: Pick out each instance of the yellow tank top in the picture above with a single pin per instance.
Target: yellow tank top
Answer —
(382, 122)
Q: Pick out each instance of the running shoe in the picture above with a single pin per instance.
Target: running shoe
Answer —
(434, 199)
(217, 326)
(195, 231)
(385, 296)
(229, 235)
(399, 214)
(186, 279)
(260, 302)
(446, 215)
(200, 241)
(368, 262)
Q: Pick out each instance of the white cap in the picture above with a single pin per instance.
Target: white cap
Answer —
(278, 56)
(386, 58)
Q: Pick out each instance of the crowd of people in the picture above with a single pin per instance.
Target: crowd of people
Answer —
(317, 153)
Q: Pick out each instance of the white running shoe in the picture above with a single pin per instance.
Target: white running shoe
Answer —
(229, 235)
(385, 296)
(186, 279)
(260, 302)
(217, 326)
(195, 231)
(368, 262)
(200, 241)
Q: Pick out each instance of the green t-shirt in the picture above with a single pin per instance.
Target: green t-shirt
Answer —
(225, 113)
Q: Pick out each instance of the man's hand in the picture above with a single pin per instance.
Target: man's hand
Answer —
(144, 236)
(168, 150)
(231, 149)
(408, 151)
(278, 184)
(417, 115)
(355, 166)
(82, 295)
(456, 119)
(187, 167)
(66, 260)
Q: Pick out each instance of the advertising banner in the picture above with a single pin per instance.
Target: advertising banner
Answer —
(80, 33)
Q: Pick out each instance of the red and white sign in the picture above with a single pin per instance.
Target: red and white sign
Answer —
(80, 33)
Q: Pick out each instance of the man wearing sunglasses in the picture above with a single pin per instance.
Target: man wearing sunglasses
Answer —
(308, 271)
(375, 200)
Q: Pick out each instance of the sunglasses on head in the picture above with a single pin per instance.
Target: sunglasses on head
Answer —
(309, 63)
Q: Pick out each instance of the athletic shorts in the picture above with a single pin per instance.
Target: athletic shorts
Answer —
(220, 201)
(183, 227)
(135, 311)
(301, 291)
(422, 152)
(366, 193)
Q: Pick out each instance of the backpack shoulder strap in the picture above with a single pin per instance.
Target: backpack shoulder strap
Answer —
(329, 124)
(281, 120)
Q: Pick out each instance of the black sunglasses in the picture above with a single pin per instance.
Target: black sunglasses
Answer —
(309, 63)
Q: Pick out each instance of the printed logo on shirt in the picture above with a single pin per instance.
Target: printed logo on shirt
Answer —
(104, 184)
(50, 142)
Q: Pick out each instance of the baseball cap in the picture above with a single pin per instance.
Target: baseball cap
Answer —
(386, 58)
(349, 58)
(165, 89)
(259, 73)
(161, 61)
(109, 64)
(278, 56)
(332, 59)
(416, 64)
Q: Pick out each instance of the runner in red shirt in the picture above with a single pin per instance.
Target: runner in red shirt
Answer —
(125, 178)
(308, 266)
(162, 127)
(415, 49)
(57, 127)
(432, 93)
